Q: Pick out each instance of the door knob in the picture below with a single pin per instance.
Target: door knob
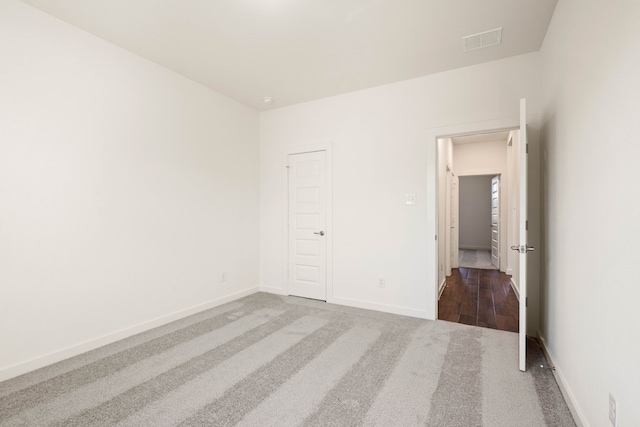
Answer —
(320, 233)
(523, 249)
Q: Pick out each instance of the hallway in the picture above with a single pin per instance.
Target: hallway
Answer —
(475, 258)
(481, 298)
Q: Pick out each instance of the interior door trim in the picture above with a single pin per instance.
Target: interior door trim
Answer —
(431, 139)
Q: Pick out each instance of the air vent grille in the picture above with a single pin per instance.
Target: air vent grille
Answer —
(482, 40)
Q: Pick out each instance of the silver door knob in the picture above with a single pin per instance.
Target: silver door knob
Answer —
(320, 233)
(523, 249)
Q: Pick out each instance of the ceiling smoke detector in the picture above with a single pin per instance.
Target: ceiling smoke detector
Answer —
(482, 40)
(268, 100)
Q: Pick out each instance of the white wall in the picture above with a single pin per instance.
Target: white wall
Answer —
(125, 190)
(480, 158)
(488, 157)
(445, 158)
(513, 207)
(475, 212)
(590, 163)
(381, 149)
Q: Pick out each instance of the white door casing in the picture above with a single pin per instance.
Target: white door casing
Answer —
(454, 222)
(307, 225)
(432, 135)
(448, 223)
(523, 247)
(495, 221)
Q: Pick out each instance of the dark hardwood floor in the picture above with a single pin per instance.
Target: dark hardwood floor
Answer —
(479, 297)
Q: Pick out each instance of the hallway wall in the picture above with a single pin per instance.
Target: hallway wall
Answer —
(480, 158)
(513, 207)
(475, 212)
(445, 157)
(488, 158)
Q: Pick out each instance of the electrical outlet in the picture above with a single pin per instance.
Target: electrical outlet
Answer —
(223, 277)
(613, 411)
(381, 282)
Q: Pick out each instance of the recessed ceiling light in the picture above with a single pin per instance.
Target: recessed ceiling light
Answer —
(482, 40)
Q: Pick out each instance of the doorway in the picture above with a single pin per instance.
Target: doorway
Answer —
(476, 290)
(479, 222)
(525, 217)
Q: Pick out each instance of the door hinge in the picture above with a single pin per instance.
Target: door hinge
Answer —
(527, 148)
(436, 237)
(526, 301)
(526, 225)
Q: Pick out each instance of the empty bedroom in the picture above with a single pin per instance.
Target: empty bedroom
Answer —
(247, 212)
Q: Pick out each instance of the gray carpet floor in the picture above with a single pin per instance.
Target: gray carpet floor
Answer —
(267, 360)
(475, 258)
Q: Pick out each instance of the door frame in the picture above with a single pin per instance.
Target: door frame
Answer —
(448, 213)
(502, 173)
(533, 213)
(327, 147)
(432, 136)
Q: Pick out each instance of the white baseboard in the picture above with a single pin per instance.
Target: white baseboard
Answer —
(271, 290)
(569, 397)
(421, 314)
(515, 288)
(74, 350)
(509, 272)
(441, 288)
(361, 304)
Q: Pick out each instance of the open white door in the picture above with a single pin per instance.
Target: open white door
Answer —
(495, 221)
(522, 247)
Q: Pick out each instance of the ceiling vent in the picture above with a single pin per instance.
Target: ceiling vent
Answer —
(482, 40)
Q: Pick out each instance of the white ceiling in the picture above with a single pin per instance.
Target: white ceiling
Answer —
(300, 50)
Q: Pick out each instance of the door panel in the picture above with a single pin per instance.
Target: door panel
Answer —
(307, 259)
(523, 247)
(495, 221)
